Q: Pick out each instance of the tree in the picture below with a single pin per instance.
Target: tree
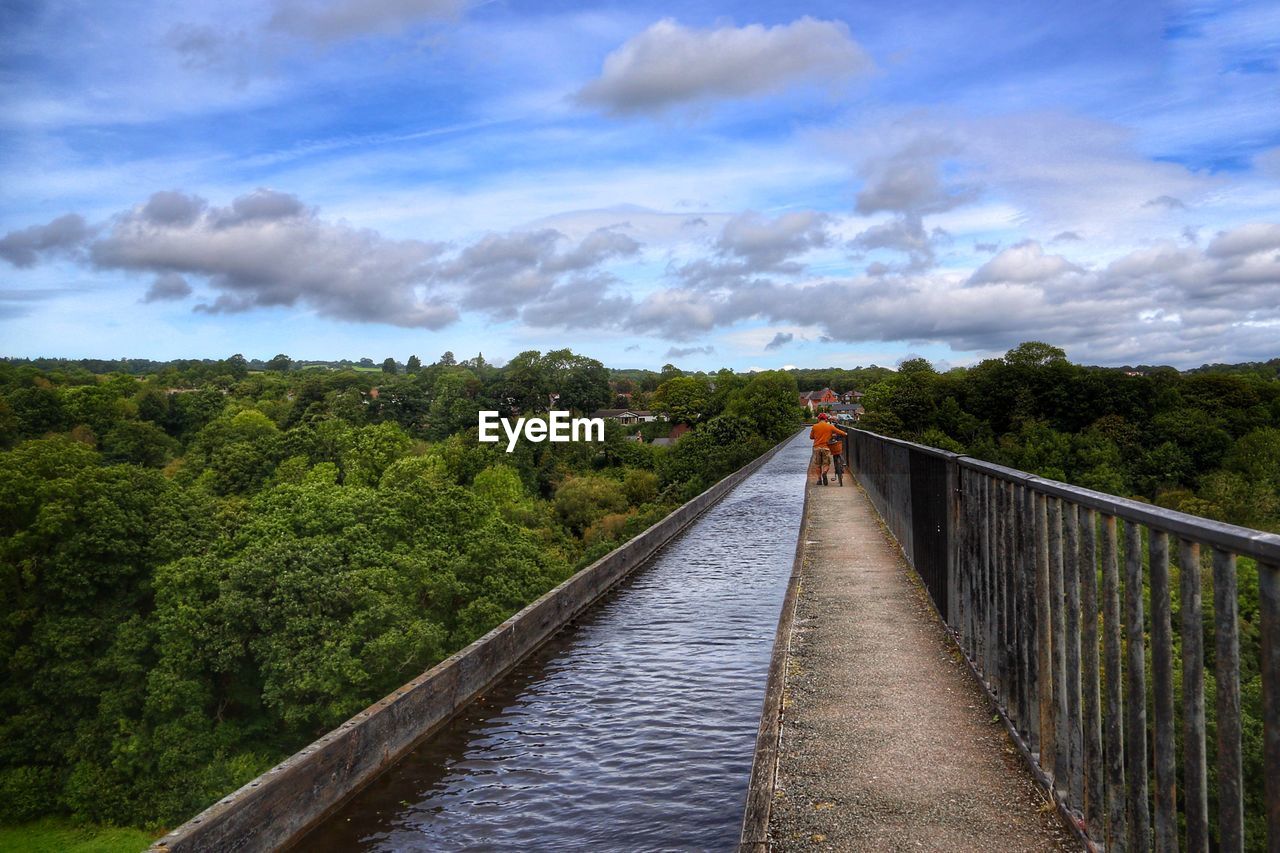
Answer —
(683, 399)
(138, 442)
(768, 403)
(413, 365)
(582, 500)
(670, 371)
(447, 360)
(389, 366)
(238, 366)
(581, 382)
(280, 364)
(1034, 354)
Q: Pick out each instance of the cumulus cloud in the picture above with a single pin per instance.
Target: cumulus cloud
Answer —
(583, 302)
(669, 64)
(907, 179)
(750, 244)
(780, 340)
(167, 286)
(265, 249)
(61, 236)
(685, 352)
(334, 20)
(905, 234)
(502, 273)
(1168, 303)
(1025, 262)
(1245, 240)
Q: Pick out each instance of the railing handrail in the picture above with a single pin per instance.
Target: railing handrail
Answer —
(1243, 541)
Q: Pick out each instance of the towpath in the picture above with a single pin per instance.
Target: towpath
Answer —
(887, 743)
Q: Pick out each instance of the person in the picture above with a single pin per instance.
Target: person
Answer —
(838, 463)
(822, 433)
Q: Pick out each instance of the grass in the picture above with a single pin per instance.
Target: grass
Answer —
(58, 835)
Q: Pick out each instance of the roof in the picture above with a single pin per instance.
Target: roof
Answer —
(614, 413)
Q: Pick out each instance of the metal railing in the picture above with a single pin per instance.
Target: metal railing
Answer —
(1042, 584)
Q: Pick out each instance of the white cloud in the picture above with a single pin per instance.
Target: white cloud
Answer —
(331, 20)
(1025, 262)
(669, 64)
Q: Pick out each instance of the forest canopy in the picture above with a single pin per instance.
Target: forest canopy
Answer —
(205, 565)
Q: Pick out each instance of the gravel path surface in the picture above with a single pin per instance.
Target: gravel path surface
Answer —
(887, 743)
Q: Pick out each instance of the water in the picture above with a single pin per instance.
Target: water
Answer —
(633, 729)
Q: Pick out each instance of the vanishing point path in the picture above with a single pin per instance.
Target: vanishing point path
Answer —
(887, 743)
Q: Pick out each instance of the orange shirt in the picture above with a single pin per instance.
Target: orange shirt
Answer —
(823, 432)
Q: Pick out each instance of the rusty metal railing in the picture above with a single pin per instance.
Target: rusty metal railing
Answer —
(1061, 598)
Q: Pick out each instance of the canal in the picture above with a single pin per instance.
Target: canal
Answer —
(634, 728)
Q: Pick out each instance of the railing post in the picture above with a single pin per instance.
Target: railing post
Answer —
(1136, 693)
(1044, 638)
(1227, 671)
(953, 544)
(1030, 615)
(1195, 791)
(1166, 824)
(1071, 587)
(1092, 722)
(1269, 607)
(1116, 811)
(1061, 723)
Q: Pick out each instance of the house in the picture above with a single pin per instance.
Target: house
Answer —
(626, 416)
(671, 438)
(811, 400)
(846, 412)
(852, 397)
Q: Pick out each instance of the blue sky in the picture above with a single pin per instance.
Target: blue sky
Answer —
(753, 186)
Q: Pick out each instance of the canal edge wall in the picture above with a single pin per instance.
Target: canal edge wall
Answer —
(277, 808)
(754, 837)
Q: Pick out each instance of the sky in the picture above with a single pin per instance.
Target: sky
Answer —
(747, 185)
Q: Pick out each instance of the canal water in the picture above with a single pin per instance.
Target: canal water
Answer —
(633, 729)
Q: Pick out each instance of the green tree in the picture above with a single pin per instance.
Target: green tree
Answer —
(768, 403)
(1034, 354)
(281, 363)
(389, 366)
(683, 399)
(413, 365)
(138, 443)
(579, 501)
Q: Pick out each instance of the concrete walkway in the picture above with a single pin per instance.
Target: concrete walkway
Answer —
(887, 743)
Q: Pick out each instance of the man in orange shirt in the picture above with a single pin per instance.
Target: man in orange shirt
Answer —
(822, 433)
